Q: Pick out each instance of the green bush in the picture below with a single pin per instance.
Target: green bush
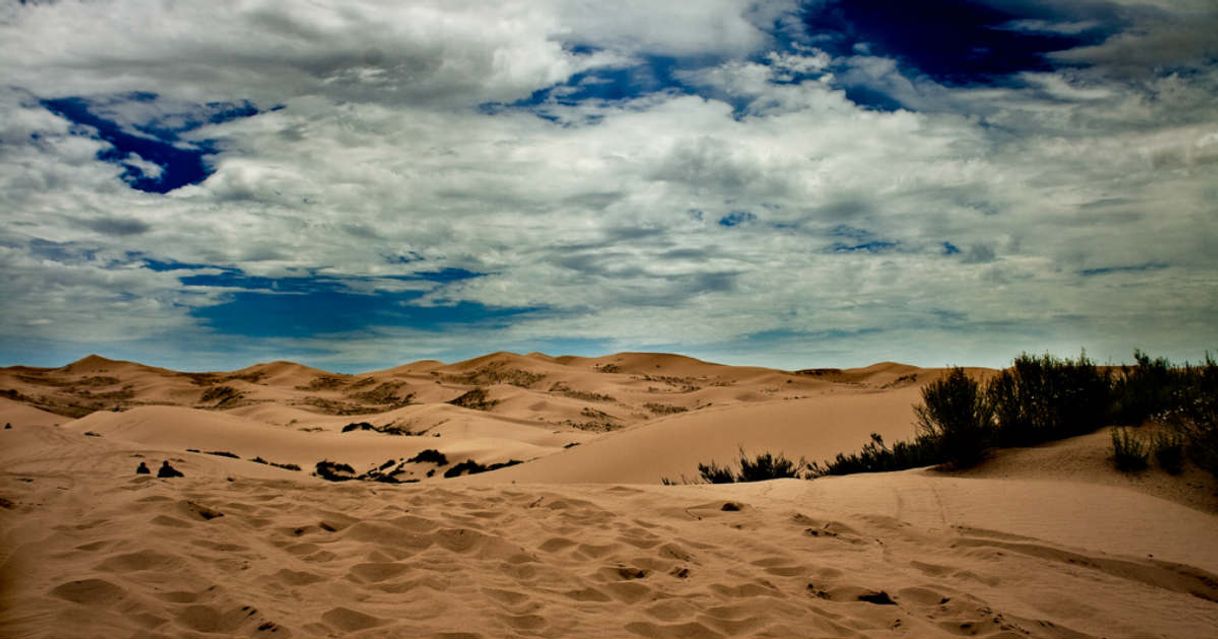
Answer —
(1044, 398)
(956, 418)
(876, 457)
(759, 468)
(713, 473)
(1128, 451)
(1168, 449)
(1145, 390)
(766, 466)
(1199, 414)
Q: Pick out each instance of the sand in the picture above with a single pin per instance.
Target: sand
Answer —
(577, 540)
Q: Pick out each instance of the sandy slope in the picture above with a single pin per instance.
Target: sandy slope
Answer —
(17, 412)
(817, 428)
(580, 541)
(93, 550)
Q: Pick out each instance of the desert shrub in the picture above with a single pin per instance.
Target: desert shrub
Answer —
(713, 473)
(475, 399)
(955, 419)
(759, 468)
(877, 457)
(223, 396)
(767, 466)
(1128, 452)
(1147, 389)
(387, 429)
(429, 455)
(334, 471)
(1199, 414)
(1044, 398)
(260, 460)
(664, 409)
(1167, 445)
(1184, 399)
(473, 468)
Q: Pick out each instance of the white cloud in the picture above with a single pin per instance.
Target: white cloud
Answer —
(607, 218)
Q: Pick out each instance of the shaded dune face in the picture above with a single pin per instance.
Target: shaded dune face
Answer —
(577, 540)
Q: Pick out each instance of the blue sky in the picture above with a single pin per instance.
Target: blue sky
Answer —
(796, 184)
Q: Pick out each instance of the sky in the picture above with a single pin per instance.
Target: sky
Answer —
(359, 184)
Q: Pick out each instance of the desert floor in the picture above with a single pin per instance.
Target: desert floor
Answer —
(578, 539)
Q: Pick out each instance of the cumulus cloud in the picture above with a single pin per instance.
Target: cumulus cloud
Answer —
(751, 209)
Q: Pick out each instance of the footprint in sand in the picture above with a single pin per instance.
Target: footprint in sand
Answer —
(90, 592)
(348, 620)
(137, 561)
(376, 572)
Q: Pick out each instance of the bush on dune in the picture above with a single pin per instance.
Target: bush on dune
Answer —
(1129, 452)
(766, 466)
(1183, 400)
(955, 419)
(1167, 445)
(1040, 399)
(877, 457)
(954, 428)
(761, 467)
(1146, 389)
(713, 473)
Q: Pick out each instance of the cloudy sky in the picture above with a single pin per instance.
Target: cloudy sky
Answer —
(361, 183)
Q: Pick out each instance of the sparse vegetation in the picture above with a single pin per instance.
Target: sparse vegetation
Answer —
(766, 466)
(323, 382)
(472, 467)
(497, 373)
(877, 457)
(1182, 400)
(223, 453)
(677, 385)
(385, 394)
(387, 429)
(954, 419)
(221, 396)
(429, 455)
(385, 473)
(760, 467)
(260, 460)
(566, 391)
(334, 471)
(336, 407)
(598, 421)
(1167, 446)
(664, 409)
(475, 399)
(713, 473)
(1044, 398)
(1128, 451)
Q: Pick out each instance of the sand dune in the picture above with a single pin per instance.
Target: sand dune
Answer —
(16, 412)
(580, 539)
(816, 428)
